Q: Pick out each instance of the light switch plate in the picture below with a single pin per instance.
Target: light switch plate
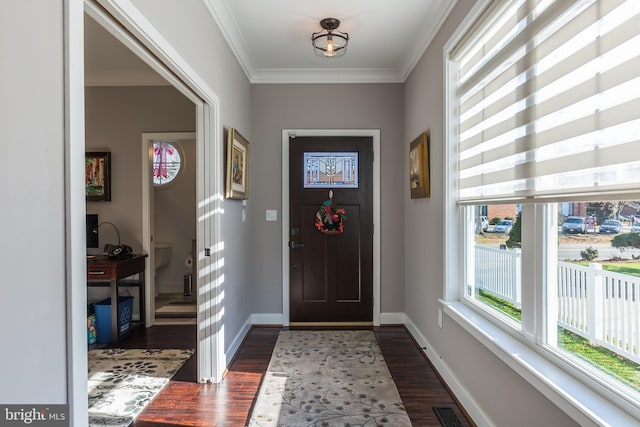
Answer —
(271, 215)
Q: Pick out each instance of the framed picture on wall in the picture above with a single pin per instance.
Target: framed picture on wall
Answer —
(419, 167)
(237, 166)
(97, 176)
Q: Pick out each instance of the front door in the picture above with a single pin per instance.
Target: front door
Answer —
(331, 267)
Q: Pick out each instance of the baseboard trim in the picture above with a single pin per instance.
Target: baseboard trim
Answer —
(267, 319)
(393, 319)
(237, 342)
(460, 393)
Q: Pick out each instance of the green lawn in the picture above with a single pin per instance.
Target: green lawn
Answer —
(623, 369)
(630, 268)
(502, 305)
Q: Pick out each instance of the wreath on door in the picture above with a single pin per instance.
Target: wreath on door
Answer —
(330, 218)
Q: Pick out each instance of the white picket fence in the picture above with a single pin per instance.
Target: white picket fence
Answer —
(499, 272)
(599, 305)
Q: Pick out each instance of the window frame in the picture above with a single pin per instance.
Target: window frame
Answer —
(178, 146)
(583, 393)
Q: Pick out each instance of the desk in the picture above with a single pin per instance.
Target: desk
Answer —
(103, 271)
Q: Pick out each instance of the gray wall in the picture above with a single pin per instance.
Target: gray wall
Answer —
(505, 397)
(115, 119)
(32, 254)
(189, 27)
(320, 106)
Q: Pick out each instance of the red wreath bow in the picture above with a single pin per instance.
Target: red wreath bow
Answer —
(330, 218)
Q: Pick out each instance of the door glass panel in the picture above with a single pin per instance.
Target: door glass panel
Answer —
(323, 170)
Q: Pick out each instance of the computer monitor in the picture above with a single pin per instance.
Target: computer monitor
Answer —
(92, 231)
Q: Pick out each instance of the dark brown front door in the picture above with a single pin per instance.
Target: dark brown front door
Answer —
(331, 276)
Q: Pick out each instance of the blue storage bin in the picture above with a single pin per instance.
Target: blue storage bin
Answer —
(103, 317)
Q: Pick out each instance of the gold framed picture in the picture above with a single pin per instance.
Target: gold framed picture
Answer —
(237, 166)
(419, 167)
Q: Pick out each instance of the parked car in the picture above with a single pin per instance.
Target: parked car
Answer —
(503, 226)
(575, 224)
(612, 226)
(635, 227)
(484, 222)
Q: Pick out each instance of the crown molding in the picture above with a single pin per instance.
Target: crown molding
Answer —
(335, 75)
(228, 26)
(421, 44)
(230, 30)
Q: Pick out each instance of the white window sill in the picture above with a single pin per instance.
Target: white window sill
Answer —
(582, 403)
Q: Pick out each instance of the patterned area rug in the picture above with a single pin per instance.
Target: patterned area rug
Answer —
(328, 378)
(122, 382)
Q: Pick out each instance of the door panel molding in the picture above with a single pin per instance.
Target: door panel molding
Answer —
(375, 135)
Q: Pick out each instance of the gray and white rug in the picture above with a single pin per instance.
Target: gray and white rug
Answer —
(122, 382)
(328, 378)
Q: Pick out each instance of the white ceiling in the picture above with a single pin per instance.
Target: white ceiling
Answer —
(272, 41)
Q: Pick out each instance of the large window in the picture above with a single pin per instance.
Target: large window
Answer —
(494, 251)
(596, 300)
(545, 183)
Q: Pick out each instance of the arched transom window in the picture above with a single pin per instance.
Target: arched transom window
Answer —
(167, 162)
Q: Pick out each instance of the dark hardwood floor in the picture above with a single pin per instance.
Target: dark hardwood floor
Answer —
(183, 402)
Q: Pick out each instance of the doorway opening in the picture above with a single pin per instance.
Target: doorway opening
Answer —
(139, 37)
(169, 220)
(331, 258)
(374, 134)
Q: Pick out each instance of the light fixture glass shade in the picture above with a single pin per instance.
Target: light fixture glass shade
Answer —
(330, 42)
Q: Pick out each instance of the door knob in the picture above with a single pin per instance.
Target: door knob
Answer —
(295, 245)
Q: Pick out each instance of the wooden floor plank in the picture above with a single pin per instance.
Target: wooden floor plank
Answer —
(183, 402)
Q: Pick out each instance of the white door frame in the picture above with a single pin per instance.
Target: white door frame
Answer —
(127, 24)
(75, 208)
(375, 135)
(148, 231)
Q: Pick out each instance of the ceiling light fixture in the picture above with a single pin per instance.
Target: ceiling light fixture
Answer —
(330, 42)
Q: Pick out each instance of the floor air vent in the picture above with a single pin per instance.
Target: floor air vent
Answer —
(447, 417)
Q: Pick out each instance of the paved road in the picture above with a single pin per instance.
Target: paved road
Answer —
(604, 252)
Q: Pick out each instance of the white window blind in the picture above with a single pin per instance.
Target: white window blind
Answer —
(549, 101)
